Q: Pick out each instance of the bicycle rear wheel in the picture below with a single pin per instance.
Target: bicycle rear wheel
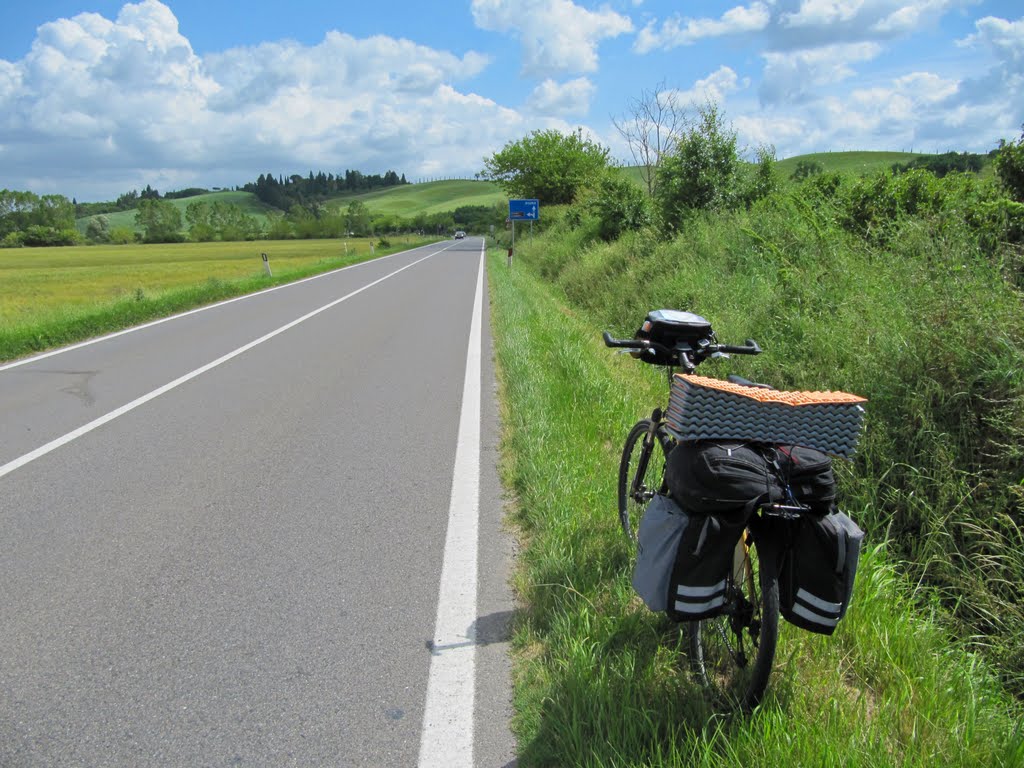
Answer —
(641, 473)
(731, 655)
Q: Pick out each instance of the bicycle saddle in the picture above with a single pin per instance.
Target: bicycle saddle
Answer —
(732, 377)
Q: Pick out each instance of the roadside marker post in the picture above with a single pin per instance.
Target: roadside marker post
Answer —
(266, 264)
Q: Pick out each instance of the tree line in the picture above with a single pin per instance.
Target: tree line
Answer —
(27, 219)
(284, 193)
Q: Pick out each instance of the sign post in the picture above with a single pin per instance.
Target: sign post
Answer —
(522, 210)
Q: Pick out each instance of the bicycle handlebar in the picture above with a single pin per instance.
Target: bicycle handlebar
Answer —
(750, 347)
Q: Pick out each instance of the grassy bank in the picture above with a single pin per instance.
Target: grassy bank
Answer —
(55, 296)
(599, 679)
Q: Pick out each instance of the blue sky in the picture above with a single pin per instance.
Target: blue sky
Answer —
(99, 97)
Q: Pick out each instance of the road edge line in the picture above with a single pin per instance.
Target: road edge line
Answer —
(446, 739)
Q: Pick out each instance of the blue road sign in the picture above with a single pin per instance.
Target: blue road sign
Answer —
(524, 210)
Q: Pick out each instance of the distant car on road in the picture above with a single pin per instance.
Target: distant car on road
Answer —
(459, 235)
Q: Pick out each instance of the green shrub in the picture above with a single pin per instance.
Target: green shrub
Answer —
(619, 206)
(702, 172)
(805, 169)
(1010, 167)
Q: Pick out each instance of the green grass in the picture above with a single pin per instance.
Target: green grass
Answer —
(599, 680)
(55, 296)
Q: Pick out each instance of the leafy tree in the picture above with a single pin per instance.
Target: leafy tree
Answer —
(160, 221)
(200, 227)
(279, 227)
(27, 219)
(550, 166)
(702, 173)
(38, 235)
(98, 230)
(1010, 167)
(357, 218)
(942, 165)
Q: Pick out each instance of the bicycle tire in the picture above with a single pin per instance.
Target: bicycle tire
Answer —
(719, 646)
(641, 474)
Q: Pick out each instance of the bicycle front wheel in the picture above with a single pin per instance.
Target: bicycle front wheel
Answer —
(731, 655)
(641, 473)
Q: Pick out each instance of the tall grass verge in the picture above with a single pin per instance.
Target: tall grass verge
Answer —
(925, 323)
(601, 681)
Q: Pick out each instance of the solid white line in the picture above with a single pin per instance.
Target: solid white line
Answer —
(447, 737)
(115, 334)
(86, 428)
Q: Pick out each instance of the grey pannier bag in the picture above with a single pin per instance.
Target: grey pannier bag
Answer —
(661, 530)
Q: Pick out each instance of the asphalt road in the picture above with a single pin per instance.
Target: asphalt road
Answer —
(236, 558)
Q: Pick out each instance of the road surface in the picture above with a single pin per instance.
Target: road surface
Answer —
(222, 536)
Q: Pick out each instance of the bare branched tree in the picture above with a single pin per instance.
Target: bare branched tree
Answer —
(651, 129)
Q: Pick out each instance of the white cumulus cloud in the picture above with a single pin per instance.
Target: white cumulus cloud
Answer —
(562, 99)
(794, 75)
(557, 36)
(715, 87)
(99, 106)
(677, 31)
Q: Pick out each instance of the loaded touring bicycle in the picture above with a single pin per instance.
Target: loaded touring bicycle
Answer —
(729, 496)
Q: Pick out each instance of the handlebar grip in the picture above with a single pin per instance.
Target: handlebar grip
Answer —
(629, 343)
(750, 348)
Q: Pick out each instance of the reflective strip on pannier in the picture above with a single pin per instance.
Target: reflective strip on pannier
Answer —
(687, 607)
(816, 610)
(700, 577)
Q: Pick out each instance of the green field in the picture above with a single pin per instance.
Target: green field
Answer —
(36, 282)
(53, 296)
(247, 201)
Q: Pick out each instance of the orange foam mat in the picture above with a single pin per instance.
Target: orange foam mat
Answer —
(772, 395)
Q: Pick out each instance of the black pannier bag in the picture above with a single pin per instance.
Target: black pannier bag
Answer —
(729, 479)
(660, 531)
(683, 562)
(702, 570)
(817, 575)
(808, 472)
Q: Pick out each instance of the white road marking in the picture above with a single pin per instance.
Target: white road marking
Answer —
(446, 740)
(114, 335)
(86, 428)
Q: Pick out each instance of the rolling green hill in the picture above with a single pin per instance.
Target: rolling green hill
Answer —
(430, 197)
(247, 201)
(407, 201)
(849, 162)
